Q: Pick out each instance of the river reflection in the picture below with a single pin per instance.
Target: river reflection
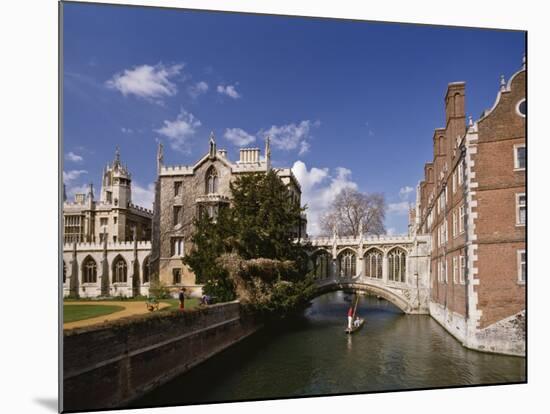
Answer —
(311, 355)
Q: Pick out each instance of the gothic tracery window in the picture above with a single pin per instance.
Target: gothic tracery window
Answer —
(397, 259)
(146, 270)
(211, 181)
(120, 270)
(89, 271)
(346, 261)
(373, 264)
(321, 265)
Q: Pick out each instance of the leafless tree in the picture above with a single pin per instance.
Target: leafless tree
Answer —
(352, 212)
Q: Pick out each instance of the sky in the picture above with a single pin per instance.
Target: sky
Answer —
(346, 103)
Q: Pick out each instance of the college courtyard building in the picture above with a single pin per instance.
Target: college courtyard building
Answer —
(182, 192)
(463, 260)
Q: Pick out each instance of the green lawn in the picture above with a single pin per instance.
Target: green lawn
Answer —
(73, 313)
(175, 303)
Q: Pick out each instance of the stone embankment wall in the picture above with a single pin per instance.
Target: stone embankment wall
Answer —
(503, 337)
(109, 365)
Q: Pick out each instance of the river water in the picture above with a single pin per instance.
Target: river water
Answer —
(311, 355)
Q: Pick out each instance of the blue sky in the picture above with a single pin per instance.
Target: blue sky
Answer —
(346, 103)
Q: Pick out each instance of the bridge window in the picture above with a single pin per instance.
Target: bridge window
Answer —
(321, 263)
(89, 271)
(397, 259)
(120, 270)
(373, 264)
(346, 264)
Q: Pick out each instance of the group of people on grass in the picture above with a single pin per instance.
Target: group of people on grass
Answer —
(205, 299)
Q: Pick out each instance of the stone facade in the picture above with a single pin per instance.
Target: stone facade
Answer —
(472, 203)
(108, 241)
(182, 192)
(393, 267)
(106, 269)
(113, 215)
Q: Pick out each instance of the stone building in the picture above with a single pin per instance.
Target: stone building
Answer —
(182, 192)
(107, 242)
(106, 268)
(113, 216)
(472, 202)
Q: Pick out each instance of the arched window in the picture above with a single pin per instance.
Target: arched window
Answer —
(346, 264)
(120, 270)
(211, 181)
(146, 270)
(397, 260)
(321, 265)
(89, 270)
(373, 264)
(64, 272)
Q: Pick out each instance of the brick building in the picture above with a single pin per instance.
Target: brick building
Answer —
(472, 202)
(181, 192)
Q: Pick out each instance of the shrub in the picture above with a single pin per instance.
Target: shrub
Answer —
(159, 290)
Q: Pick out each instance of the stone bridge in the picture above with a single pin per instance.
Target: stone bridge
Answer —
(395, 268)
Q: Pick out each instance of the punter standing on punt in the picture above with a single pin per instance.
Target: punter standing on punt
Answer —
(350, 317)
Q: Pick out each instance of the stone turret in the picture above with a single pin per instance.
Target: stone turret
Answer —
(116, 184)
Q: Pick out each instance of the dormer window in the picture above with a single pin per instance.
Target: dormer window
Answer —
(212, 181)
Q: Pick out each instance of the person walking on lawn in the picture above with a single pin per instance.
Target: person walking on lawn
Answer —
(182, 298)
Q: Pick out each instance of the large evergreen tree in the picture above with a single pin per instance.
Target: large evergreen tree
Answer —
(261, 223)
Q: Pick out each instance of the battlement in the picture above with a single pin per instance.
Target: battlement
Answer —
(260, 166)
(140, 209)
(99, 246)
(212, 198)
(176, 170)
(351, 240)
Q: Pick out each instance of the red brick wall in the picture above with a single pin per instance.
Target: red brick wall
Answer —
(499, 294)
(499, 238)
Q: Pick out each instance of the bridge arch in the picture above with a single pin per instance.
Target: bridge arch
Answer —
(400, 302)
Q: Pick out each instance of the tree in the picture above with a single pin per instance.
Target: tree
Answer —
(352, 210)
(260, 224)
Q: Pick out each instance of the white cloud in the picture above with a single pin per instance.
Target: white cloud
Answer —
(291, 136)
(143, 196)
(319, 188)
(72, 175)
(239, 137)
(391, 231)
(71, 156)
(400, 208)
(180, 130)
(127, 130)
(304, 147)
(146, 81)
(404, 192)
(198, 89)
(228, 90)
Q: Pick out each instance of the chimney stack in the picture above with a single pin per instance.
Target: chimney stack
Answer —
(249, 155)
